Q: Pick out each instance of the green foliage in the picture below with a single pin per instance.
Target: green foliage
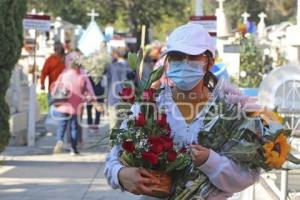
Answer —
(235, 8)
(134, 60)
(154, 76)
(11, 39)
(42, 99)
(160, 16)
(130, 14)
(251, 62)
(277, 11)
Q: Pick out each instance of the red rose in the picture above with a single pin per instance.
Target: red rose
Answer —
(149, 95)
(156, 148)
(127, 95)
(167, 142)
(183, 150)
(171, 156)
(156, 144)
(128, 146)
(154, 139)
(150, 157)
(162, 120)
(140, 121)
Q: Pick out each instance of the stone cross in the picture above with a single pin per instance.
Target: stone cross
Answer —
(261, 25)
(93, 14)
(262, 17)
(245, 16)
(221, 4)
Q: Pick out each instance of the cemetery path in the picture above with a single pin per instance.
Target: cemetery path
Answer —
(33, 173)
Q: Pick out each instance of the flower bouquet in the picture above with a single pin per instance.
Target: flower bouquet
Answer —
(145, 137)
(254, 140)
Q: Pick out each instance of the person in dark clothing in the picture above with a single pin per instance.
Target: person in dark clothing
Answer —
(99, 92)
(117, 73)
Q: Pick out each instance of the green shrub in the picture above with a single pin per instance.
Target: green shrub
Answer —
(251, 63)
(11, 40)
(42, 99)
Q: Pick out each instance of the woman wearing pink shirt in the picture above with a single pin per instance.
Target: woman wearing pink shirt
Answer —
(78, 88)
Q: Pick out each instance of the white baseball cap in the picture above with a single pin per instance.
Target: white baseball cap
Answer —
(191, 39)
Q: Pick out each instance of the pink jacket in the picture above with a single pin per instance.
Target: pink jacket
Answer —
(80, 89)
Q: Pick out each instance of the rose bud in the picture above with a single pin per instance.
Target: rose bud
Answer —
(183, 150)
(140, 121)
(127, 95)
(157, 148)
(150, 157)
(167, 143)
(128, 146)
(149, 95)
(162, 120)
(171, 156)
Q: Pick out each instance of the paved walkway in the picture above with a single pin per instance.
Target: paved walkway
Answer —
(36, 174)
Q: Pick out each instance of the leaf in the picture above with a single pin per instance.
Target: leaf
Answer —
(154, 76)
(179, 164)
(132, 60)
(128, 158)
(243, 152)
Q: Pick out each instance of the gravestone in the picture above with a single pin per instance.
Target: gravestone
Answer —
(17, 99)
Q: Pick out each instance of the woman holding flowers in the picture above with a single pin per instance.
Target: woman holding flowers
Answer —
(190, 55)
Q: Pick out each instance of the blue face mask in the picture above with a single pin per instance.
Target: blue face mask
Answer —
(185, 76)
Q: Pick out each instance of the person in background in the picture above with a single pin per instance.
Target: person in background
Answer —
(96, 65)
(151, 57)
(79, 90)
(68, 46)
(53, 67)
(117, 72)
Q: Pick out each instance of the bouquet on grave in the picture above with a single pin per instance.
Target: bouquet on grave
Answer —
(145, 137)
(254, 140)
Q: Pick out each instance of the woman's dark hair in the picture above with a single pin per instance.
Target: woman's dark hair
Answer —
(208, 53)
(209, 80)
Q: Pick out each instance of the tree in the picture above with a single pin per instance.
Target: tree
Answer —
(277, 11)
(251, 63)
(133, 13)
(11, 15)
(235, 8)
(280, 10)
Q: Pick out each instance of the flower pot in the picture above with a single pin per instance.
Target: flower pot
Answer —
(163, 189)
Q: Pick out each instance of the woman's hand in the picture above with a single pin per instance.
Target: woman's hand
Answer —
(98, 107)
(137, 180)
(199, 154)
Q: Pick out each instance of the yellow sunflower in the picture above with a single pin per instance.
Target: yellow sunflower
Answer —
(268, 116)
(276, 152)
